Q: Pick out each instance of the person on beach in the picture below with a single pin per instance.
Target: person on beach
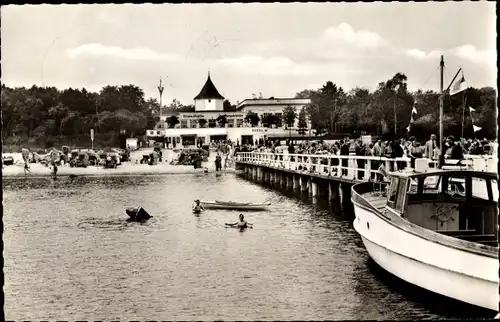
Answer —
(26, 153)
(241, 224)
(218, 162)
(54, 169)
(197, 207)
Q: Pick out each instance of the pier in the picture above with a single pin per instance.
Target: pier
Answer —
(330, 177)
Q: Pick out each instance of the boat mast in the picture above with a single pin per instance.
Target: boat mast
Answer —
(441, 108)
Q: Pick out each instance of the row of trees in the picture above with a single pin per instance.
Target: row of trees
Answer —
(41, 113)
(387, 110)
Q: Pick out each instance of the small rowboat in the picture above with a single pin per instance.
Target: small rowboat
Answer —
(234, 205)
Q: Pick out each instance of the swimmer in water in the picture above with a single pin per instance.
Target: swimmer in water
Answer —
(197, 207)
(241, 224)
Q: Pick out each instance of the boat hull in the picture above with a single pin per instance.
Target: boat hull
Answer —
(463, 276)
(235, 206)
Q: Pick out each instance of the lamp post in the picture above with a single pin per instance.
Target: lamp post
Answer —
(396, 88)
(160, 89)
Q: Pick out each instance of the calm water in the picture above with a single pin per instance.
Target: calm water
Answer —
(69, 254)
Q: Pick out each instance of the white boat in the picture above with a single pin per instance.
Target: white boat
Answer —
(216, 204)
(434, 234)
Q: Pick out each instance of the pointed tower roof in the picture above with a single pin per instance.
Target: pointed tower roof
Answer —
(209, 91)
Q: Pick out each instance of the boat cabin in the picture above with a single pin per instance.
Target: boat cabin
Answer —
(461, 204)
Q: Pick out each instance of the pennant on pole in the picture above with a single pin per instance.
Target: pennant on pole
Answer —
(414, 110)
(476, 128)
(471, 109)
(458, 86)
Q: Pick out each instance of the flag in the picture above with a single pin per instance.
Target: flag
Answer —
(408, 128)
(471, 109)
(476, 128)
(414, 110)
(458, 86)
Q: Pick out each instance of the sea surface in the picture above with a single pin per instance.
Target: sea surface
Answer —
(70, 255)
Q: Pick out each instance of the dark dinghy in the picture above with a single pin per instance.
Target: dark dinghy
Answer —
(137, 214)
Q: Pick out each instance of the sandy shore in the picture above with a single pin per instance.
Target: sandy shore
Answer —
(127, 168)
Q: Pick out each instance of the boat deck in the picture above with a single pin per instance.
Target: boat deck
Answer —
(376, 199)
(379, 201)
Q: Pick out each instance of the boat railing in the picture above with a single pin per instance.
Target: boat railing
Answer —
(361, 168)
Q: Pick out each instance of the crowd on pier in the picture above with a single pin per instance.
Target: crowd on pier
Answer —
(410, 148)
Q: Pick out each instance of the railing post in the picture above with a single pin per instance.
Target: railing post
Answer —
(353, 167)
(330, 167)
(368, 168)
(387, 165)
(339, 166)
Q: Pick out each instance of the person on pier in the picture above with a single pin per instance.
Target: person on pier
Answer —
(454, 151)
(397, 152)
(430, 146)
(377, 151)
(360, 151)
(344, 150)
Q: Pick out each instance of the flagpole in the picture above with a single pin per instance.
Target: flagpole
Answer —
(463, 113)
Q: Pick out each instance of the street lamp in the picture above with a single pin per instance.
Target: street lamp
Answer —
(396, 88)
(160, 89)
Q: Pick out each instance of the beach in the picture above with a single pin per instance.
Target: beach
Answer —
(133, 167)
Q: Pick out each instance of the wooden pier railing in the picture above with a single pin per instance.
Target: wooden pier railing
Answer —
(351, 167)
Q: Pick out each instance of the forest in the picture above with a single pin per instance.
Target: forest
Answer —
(46, 116)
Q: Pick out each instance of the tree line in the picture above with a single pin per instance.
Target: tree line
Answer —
(387, 111)
(46, 115)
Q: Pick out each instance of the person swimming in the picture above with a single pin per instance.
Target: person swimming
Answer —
(197, 207)
(241, 224)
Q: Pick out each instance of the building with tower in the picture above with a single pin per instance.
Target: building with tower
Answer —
(206, 123)
(209, 98)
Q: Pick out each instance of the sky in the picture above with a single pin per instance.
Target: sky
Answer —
(274, 49)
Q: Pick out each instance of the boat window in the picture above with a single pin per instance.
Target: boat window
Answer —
(391, 197)
(401, 195)
(413, 187)
(480, 189)
(431, 183)
(494, 188)
(456, 185)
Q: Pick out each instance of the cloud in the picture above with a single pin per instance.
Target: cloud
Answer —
(466, 52)
(139, 53)
(472, 54)
(346, 34)
(277, 65)
(421, 55)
